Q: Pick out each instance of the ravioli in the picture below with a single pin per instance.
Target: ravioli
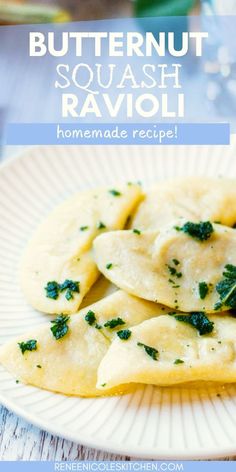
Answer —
(164, 351)
(192, 198)
(169, 266)
(58, 268)
(69, 365)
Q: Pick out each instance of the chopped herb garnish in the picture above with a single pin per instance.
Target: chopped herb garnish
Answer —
(124, 334)
(227, 288)
(103, 385)
(98, 326)
(101, 225)
(83, 228)
(70, 286)
(175, 261)
(174, 272)
(17, 381)
(198, 320)
(69, 295)
(201, 231)
(114, 323)
(30, 345)
(203, 290)
(115, 193)
(73, 286)
(136, 231)
(90, 317)
(39, 366)
(60, 327)
(151, 351)
(109, 265)
(178, 361)
(53, 289)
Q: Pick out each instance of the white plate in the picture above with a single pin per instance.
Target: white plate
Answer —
(152, 422)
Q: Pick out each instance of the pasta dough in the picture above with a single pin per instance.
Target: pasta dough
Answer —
(182, 354)
(69, 365)
(167, 266)
(60, 250)
(192, 198)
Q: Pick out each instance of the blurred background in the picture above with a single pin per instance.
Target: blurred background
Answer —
(209, 82)
(45, 11)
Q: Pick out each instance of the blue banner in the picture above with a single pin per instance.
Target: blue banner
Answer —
(122, 133)
(119, 466)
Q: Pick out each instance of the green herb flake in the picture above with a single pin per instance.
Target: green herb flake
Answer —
(109, 265)
(114, 323)
(198, 320)
(174, 272)
(17, 381)
(201, 231)
(178, 361)
(60, 327)
(175, 262)
(136, 231)
(103, 385)
(39, 366)
(30, 345)
(69, 295)
(151, 351)
(171, 281)
(124, 334)
(115, 192)
(70, 286)
(90, 317)
(226, 288)
(84, 228)
(101, 225)
(203, 290)
(53, 289)
(98, 326)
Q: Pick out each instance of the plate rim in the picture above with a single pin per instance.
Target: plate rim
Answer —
(150, 453)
